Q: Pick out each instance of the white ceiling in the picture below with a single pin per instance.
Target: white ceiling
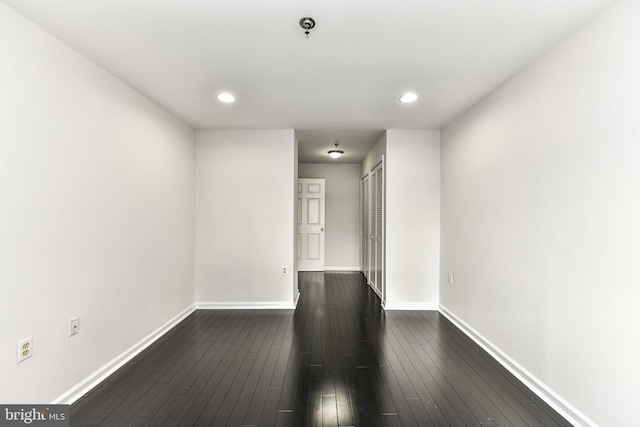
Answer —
(347, 76)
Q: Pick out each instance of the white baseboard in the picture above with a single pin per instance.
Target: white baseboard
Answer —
(342, 268)
(295, 304)
(267, 305)
(86, 385)
(430, 306)
(564, 408)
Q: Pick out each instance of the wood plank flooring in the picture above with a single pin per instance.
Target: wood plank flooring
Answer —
(337, 360)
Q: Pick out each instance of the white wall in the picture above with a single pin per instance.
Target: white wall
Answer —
(342, 212)
(412, 217)
(96, 217)
(540, 219)
(374, 156)
(245, 183)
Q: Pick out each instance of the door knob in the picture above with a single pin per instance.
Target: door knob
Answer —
(321, 228)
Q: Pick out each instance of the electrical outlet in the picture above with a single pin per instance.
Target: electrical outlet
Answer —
(25, 349)
(74, 326)
(285, 270)
(451, 278)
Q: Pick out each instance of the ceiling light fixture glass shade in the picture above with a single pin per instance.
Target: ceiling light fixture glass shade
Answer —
(408, 97)
(335, 153)
(226, 97)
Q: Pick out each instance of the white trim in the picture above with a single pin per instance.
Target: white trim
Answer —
(423, 306)
(268, 305)
(87, 384)
(295, 304)
(564, 408)
(341, 268)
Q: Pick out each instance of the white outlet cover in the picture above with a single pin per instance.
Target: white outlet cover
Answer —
(25, 349)
(74, 326)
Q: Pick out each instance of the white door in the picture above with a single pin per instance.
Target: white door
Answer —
(364, 223)
(373, 209)
(372, 232)
(310, 219)
(378, 233)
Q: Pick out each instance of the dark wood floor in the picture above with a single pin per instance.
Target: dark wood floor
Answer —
(337, 360)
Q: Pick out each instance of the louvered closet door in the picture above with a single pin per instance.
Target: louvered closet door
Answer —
(372, 230)
(378, 235)
(364, 226)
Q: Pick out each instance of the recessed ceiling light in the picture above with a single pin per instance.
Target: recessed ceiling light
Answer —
(408, 97)
(226, 97)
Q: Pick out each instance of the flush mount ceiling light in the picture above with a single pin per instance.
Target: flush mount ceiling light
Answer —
(408, 98)
(307, 23)
(226, 97)
(335, 153)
